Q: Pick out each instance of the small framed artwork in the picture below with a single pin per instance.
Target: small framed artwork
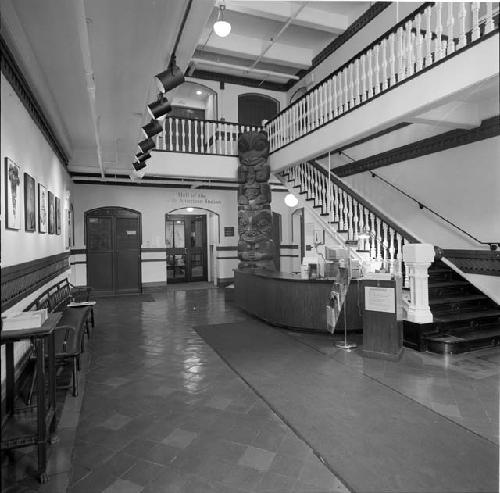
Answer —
(12, 194)
(57, 213)
(29, 203)
(51, 213)
(42, 209)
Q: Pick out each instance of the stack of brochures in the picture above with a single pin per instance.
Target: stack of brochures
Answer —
(24, 320)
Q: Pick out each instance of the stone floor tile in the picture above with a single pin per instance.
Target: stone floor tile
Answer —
(179, 438)
(116, 422)
(123, 486)
(257, 458)
(143, 472)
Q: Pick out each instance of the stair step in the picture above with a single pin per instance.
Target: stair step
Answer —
(317, 207)
(303, 193)
(445, 284)
(462, 316)
(308, 200)
(324, 214)
(342, 231)
(351, 242)
(457, 299)
(363, 251)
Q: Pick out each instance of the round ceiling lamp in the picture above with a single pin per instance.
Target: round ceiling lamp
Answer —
(291, 200)
(221, 27)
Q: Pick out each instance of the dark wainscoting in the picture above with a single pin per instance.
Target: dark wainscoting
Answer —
(475, 261)
(19, 281)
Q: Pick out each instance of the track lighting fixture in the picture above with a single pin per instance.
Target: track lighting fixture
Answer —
(141, 158)
(152, 128)
(221, 27)
(170, 78)
(146, 145)
(139, 166)
(160, 107)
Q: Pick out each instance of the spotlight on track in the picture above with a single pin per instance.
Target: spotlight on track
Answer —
(145, 146)
(170, 78)
(141, 158)
(140, 165)
(160, 107)
(152, 128)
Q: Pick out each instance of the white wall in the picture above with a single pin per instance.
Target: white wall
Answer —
(23, 143)
(228, 97)
(462, 184)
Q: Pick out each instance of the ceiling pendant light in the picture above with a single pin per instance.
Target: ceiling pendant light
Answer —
(152, 128)
(291, 200)
(160, 107)
(145, 145)
(221, 27)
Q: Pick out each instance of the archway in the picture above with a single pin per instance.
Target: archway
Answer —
(254, 108)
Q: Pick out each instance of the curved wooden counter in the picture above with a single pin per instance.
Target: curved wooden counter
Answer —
(283, 299)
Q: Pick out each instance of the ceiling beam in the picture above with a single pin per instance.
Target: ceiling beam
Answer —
(450, 115)
(280, 11)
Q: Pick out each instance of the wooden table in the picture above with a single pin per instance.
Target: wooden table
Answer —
(31, 425)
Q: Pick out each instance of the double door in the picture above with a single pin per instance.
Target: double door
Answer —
(113, 239)
(186, 242)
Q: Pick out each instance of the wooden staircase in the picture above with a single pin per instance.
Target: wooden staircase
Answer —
(464, 319)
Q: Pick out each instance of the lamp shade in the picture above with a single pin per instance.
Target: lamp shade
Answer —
(291, 200)
(170, 78)
(139, 166)
(145, 145)
(222, 28)
(140, 158)
(152, 128)
(159, 108)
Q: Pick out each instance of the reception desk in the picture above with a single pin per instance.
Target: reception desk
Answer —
(287, 300)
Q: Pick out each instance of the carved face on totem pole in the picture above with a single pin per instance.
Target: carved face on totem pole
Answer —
(253, 148)
(255, 226)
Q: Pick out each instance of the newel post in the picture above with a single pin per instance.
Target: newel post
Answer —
(418, 257)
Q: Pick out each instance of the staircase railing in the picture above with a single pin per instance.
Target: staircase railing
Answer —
(431, 34)
(201, 136)
(351, 214)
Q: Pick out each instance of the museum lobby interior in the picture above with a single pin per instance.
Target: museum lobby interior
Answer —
(250, 246)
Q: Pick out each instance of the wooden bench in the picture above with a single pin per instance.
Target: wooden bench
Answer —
(71, 328)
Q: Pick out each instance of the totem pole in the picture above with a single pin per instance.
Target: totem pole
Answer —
(255, 221)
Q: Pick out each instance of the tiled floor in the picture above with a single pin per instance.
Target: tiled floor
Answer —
(161, 412)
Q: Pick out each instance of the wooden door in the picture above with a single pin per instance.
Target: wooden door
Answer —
(186, 242)
(113, 238)
(254, 108)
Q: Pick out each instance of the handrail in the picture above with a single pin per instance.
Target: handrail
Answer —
(356, 56)
(213, 121)
(365, 203)
(413, 46)
(492, 244)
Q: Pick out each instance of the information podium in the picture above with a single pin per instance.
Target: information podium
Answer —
(382, 318)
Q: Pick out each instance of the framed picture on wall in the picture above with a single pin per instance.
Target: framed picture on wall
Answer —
(57, 212)
(69, 227)
(29, 203)
(42, 209)
(12, 194)
(51, 213)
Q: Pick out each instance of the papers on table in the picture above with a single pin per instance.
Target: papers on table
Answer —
(81, 303)
(24, 320)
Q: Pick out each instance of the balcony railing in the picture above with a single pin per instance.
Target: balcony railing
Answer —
(431, 34)
(200, 136)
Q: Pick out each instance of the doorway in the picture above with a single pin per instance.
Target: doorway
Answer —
(186, 242)
(113, 239)
(253, 108)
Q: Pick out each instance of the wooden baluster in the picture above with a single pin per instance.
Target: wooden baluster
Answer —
(170, 135)
(316, 107)
(369, 54)
(368, 230)
(340, 94)
(489, 24)
(303, 117)
(295, 119)
(428, 36)
(278, 133)
(324, 205)
(475, 21)
(346, 91)
(361, 226)
(376, 54)
(462, 30)
(214, 138)
(379, 240)
(383, 47)
(418, 42)
(449, 32)
(399, 254)
(177, 147)
(438, 54)
(334, 206)
(196, 123)
(409, 49)
(183, 135)
(225, 139)
(401, 67)
(355, 220)
(392, 249)
(189, 124)
(335, 98)
(363, 78)
(373, 238)
(356, 82)
(392, 60)
(350, 227)
(329, 100)
(320, 109)
(351, 85)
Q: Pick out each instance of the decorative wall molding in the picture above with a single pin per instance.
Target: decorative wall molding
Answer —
(370, 14)
(475, 261)
(20, 85)
(454, 138)
(19, 281)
